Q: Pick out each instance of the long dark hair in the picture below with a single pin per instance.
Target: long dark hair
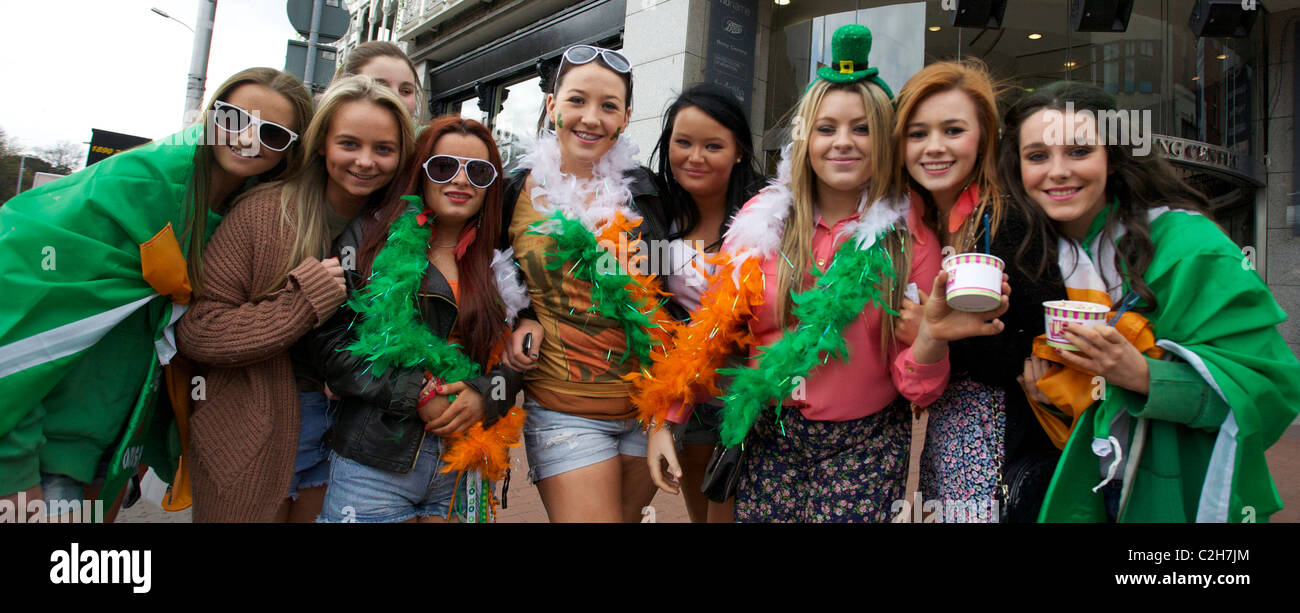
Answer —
(1140, 183)
(481, 316)
(745, 180)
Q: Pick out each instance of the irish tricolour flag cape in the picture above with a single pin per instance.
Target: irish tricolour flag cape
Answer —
(90, 265)
(1215, 313)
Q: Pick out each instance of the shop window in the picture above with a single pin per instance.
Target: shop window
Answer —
(468, 109)
(517, 119)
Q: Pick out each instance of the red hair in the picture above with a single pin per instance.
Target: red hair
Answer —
(481, 318)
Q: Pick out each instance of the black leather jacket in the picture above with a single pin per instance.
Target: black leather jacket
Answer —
(377, 423)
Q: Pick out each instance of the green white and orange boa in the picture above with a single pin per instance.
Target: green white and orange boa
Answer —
(852, 281)
(587, 216)
(392, 335)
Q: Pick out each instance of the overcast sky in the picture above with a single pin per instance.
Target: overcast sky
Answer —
(73, 65)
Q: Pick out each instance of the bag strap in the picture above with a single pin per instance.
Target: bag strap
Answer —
(912, 495)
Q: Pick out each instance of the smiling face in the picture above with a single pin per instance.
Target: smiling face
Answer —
(457, 200)
(943, 139)
(591, 106)
(243, 155)
(361, 151)
(839, 144)
(1066, 179)
(395, 74)
(701, 153)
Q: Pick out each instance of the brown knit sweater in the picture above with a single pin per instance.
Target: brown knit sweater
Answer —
(244, 436)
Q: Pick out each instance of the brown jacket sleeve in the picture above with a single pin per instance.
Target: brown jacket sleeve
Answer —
(225, 327)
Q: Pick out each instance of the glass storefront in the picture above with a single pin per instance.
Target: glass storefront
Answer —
(1201, 89)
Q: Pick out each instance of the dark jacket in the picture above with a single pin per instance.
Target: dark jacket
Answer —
(997, 360)
(377, 423)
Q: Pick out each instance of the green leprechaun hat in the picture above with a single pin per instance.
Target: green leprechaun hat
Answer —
(850, 46)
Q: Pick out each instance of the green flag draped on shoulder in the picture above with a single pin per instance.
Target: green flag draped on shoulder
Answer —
(74, 256)
(1199, 460)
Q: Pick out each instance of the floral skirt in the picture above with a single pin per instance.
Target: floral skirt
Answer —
(800, 470)
(963, 452)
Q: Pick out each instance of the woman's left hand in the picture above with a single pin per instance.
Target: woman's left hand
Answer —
(1104, 351)
(460, 414)
(944, 323)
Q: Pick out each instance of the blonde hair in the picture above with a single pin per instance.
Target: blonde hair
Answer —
(304, 192)
(196, 226)
(796, 242)
(970, 77)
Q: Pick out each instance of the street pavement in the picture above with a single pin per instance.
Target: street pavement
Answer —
(526, 504)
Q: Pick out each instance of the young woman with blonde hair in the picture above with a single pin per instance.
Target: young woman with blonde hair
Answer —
(267, 283)
(814, 264)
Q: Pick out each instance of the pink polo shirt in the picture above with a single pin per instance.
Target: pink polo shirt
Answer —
(865, 382)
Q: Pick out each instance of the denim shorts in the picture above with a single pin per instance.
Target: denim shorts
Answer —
(359, 493)
(311, 468)
(557, 443)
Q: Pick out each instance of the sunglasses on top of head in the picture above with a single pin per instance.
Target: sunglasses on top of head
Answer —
(444, 168)
(234, 120)
(582, 54)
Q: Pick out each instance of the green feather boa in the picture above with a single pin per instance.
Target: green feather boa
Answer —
(392, 334)
(610, 295)
(835, 300)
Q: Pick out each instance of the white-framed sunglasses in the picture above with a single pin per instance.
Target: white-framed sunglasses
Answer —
(582, 54)
(444, 168)
(234, 120)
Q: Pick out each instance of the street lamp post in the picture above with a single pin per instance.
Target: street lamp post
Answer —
(198, 57)
(166, 16)
(22, 167)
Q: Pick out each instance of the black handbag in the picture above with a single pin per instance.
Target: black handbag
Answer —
(723, 472)
(1024, 486)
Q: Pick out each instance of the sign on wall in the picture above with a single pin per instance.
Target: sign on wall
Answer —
(729, 57)
(104, 143)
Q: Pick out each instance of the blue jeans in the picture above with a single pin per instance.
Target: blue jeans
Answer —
(359, 493)
(311, 467)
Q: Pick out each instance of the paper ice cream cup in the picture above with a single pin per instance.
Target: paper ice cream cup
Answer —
(1061, 312)
(974, 281)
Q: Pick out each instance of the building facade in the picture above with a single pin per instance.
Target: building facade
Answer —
(1220, 108)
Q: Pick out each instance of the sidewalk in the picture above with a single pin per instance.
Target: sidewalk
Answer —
(526, 504)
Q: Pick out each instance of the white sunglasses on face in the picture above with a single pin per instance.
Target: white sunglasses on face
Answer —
(234, 120)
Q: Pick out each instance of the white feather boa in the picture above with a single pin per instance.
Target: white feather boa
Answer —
(593, 202)
(512, 290)
(758, 228)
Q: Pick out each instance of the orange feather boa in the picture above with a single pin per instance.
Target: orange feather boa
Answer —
(700, 345)
(486, 450)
